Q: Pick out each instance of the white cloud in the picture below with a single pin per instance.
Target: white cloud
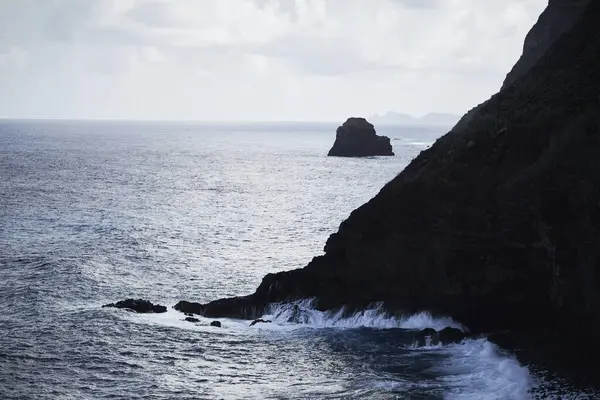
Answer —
(254, 59)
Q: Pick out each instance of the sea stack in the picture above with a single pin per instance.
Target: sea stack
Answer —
(357, 138)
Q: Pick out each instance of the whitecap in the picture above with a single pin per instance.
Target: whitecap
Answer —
(478, 370)
(303, 313)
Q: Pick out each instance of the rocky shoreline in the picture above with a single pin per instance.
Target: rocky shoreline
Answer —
(569, 366)
(493, 225)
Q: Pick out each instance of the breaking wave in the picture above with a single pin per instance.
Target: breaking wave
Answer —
(472, 369)
(303, 312)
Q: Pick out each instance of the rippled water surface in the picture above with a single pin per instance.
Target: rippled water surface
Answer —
(93, 212)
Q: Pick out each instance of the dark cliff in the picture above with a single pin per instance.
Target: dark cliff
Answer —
(497, 224)
(357, 138)
(556, 20)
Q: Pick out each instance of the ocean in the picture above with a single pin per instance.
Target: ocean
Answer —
(96, 212)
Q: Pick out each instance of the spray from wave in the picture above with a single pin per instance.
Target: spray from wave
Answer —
(303, 312)
(476, 369)
(473, 368)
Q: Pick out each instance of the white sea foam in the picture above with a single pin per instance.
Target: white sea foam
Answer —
(478, 370)
(473, 369)
(306, 317)
(175, 319)
(303, 312)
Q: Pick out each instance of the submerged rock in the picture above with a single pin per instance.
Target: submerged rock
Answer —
(139, 306)
(192, 319)
(357, 138)
(259, 321)
(216, 323)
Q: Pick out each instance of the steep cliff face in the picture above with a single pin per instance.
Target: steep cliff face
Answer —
(557, 18)
(497, 224)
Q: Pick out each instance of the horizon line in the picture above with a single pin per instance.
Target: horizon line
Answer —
(202, 121)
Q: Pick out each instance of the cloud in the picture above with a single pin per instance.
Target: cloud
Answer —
(320, 59)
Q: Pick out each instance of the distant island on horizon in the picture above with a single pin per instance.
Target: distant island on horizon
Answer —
(394, 118)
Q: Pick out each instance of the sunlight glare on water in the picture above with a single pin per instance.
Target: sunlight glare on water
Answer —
(94, 212)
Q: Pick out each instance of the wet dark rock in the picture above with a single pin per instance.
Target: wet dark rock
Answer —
(259, 321)
(357, 138)
(189, 308)
(430, 336)
(139, 306)
(299, 316)
(427, 336)
(235, 307)
(428, 332)
(295, 317)
(569, 353)
(192, 319)
(188, 314)
(216, 323)
(451, 335)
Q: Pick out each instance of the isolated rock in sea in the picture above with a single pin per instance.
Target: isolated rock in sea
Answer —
(139, 306)
(297, 316)
(259, 321)
(192, 319)
(357, 138)
(216, 323)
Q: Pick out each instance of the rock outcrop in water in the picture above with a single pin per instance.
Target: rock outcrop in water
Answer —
(431, 337)
(259, 321)
(497, 224)
(357, 138)
(139, 306)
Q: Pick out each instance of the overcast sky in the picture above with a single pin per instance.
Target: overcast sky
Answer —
(255, 59)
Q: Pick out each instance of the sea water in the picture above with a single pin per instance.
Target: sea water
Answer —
(95, 212)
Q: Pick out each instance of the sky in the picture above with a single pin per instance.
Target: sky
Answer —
(255, 60)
